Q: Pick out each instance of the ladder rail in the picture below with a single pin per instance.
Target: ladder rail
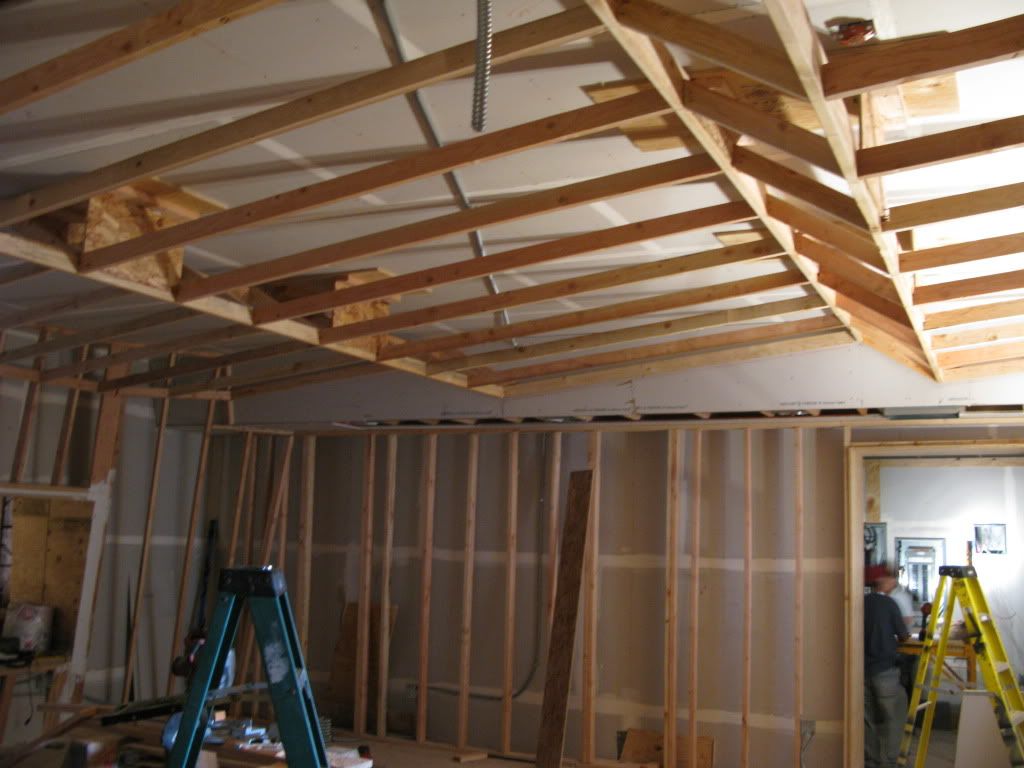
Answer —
(921, 677)
(933, 693)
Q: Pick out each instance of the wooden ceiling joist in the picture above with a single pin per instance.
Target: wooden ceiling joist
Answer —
(94, 335)
(230, 381)
(631, 334)
(548, 130)
(651, 352)
(940, 147)
(978, 336)
(969, 287)
(182, 21)
(355, 370)
(634, 308)
(866, 67)
(998, 310)
(865, 296)
(19, 272)
(545, 201)
(548, 291)
(852, 241)
(51, 309)
(954, 207)
(710, 42)
(870, 316)
(961, 253)
(504, 261)
(346, 96)
(834, 261)
(987, 354)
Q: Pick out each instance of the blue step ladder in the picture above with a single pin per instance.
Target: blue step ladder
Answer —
(264, 590)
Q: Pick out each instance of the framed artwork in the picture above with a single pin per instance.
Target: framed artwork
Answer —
(990, 539)
(874, 544)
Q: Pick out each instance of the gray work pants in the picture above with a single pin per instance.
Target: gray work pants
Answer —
(885, 711)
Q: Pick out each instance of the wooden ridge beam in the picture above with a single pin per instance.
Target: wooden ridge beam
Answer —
(668, 301)
(794, 183)
(633, 333)
(969, 287)
(961, 253)
(940, 147)
(186, 19)
(710, 42)
(181, 344)
(573, 245)
(91, 336)
(346, 96)
(850, 240)
(868, 66)
(546, 291)
(758, 124)
(982, 312)
(544, 201)
(650, 352)
(954, 207)
(488, 146)
(754, 351)
(978, 336)
(50, 309)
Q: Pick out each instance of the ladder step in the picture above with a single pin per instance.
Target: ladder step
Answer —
(1016, 718)
(1001, 666)
(923, 706)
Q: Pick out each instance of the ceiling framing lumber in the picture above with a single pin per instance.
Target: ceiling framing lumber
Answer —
(93, 335)
(19, 272)
(758, 124)
(228, 381)
(546, 291)
(969, 287)
(865, 296)
(978, 336)
(987, 354)
(523, 206)
(867, 315)
(710, 42)
(630, 334)
(850, 240)
(336, 374)
(833, 260)
(791, 22)
(489, 146)
(633, 308)
(961, 253)
(866, 67)
(50, 309)
(447, 64)
(181, 345)
(954, 207)
(986, 370)
(940, 147)
(750, 351)
(184, 20)
(999, 310)
(574, 245)
(651, 352)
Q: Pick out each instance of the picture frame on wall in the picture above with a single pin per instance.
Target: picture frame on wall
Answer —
(990, 539)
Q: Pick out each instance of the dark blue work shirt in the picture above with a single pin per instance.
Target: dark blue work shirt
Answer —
(882, 625)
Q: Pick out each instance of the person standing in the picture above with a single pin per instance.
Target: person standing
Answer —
(885, 701)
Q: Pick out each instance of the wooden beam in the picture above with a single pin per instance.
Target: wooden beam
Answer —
(447, 64)
(811, 191)
(848, 239)
(67, 426)
(838, 263)
(489, 146)
(986, 335)
(872, 317)
(198, 490)
(985, 370)
(710, 42)
(574, 245)
(552, 489)
(591, 579)
(181, 344)
(954, 207)
(546, 291)
(893, 347)
(558, 671)
(727, 356)
(758, 124)
(29, 411)
(969, 287)
(511, 566)
(995, 311)
(748, 597)
(664, 302)
(428, 494)
(633, 333)
(18, 272)
(468, 572)
(865, 296)
(693, 670)
(246, 476)
(384, 641)
(941, 147)
(186, 19)
(654, 351)
(304, 553)
(671, 666)
(962, 253)
(103, 333)
(959, 358)
(363, 605)
(47, 311)
(868, 66)
(544, 201)
(798, 597)
(327, 361)
(147, 540)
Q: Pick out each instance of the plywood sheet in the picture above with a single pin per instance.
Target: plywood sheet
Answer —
(644, 746)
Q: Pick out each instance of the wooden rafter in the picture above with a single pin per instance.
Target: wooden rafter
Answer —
(961, 253)
(954, 206)
(969, 287)
(995, 311)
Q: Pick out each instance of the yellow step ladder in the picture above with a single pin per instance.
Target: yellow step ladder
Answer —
(959, 584)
